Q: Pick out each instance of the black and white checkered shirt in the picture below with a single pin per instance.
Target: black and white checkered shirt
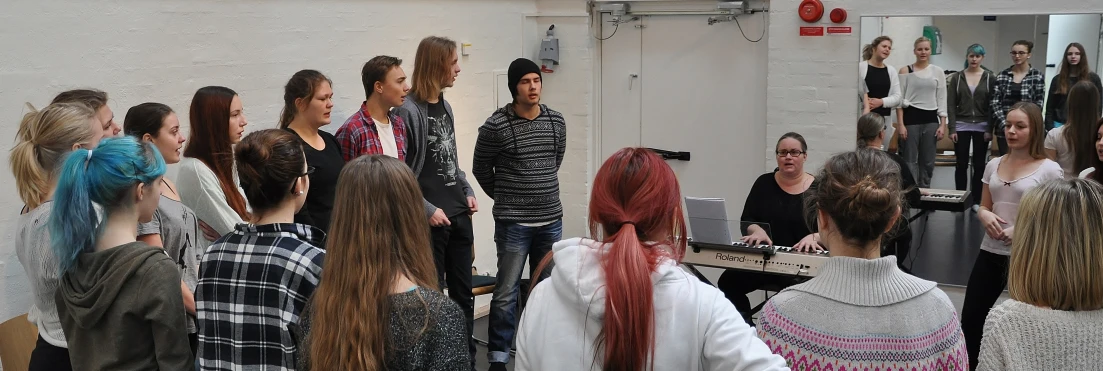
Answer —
(1033, 90)
(253, 284)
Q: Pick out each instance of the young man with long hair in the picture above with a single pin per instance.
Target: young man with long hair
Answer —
(431, 153)
(517, 159)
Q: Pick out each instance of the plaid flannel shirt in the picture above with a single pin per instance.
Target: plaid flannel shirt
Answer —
(1033, 90)
(253, 284)
(359, 135)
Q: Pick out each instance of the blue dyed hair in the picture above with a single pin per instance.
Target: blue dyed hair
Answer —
(102, 176)
(977, 49)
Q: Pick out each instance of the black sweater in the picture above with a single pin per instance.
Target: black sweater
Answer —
(327, 165)
(779, 213)
(517, 164)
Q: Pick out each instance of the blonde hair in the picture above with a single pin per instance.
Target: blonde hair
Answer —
(920, 40)
(43, 140)
(431, 66)
(1057, 252)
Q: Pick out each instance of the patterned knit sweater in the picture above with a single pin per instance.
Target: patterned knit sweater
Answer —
(1020, 336)
(517, 164)
(862, 314)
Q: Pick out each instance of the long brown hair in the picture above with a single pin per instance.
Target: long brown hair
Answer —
(867, 51)
(1081, 70)
(378, 232)
(431, 66)
(209, 140)
(1083, 112)
(1037, 148)
(301, 86)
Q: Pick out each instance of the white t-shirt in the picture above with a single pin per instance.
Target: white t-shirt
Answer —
(1055, 140)
(386, 137)
(1007, 193)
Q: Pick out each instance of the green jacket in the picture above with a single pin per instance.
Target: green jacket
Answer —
(966, 106)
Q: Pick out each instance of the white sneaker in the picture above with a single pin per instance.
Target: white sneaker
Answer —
(976, 208)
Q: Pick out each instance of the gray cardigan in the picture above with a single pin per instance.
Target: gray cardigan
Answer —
(415, 113)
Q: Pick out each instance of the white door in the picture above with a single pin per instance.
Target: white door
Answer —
(698, 91)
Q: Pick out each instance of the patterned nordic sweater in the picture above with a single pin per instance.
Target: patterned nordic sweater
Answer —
(862, 314)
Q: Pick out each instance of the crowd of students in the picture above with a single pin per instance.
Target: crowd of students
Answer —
(290, 248)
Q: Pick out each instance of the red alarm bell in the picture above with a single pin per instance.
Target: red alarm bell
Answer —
(838, 15)
(811, 10)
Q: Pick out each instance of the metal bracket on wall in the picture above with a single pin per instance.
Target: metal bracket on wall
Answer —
(671, 155)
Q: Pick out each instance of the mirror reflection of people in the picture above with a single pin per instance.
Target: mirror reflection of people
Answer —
(878, 82)
(1073, 145)
(921, 119)
(1097, 163)
(774, 214)
(1074, 68)
(969, 118)
(1019, 83)
(619, 301)
(1006, 179)
(871, 134)
(861, 312)
(1056, 295)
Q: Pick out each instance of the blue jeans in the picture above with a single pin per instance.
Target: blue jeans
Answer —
(515, 243)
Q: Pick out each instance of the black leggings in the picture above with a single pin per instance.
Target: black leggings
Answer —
(986, 283)
(47, 357)
(979, 158)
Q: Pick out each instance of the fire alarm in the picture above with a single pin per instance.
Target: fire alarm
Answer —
(838, 15)
(811, 10)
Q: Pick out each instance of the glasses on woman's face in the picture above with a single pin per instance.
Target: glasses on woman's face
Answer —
(1018, 53)
(309, 170)
(789, 152)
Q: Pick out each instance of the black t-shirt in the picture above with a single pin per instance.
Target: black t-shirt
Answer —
(327, 165)
(439, 178)
(1014, 94)
(879, 84)
(784, 212)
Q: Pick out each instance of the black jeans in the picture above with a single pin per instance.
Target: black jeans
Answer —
(899, 245)
(986, 283)
(979, 157)
(736, 284)
(452, 255)
(47, 357)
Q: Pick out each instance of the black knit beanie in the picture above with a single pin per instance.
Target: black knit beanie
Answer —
(518, 69)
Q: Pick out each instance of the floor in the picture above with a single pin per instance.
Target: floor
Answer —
(943, 250)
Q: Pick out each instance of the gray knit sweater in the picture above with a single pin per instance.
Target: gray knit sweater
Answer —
(1020, 336)
(517, 164)
(862, 314)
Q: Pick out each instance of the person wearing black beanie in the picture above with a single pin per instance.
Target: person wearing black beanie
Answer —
(517, 158)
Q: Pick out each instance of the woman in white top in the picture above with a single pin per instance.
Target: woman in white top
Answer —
(1006, 179)
(1073, 144)
(44, 139)
(620, 301)
(1054, 320)
(207, 181)
(878, 82)
(921, 119)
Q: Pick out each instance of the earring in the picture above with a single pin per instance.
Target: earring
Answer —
(300, 193)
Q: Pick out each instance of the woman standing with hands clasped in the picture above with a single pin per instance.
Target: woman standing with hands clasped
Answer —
(1006, 179)
(921, 120)
(878, 82)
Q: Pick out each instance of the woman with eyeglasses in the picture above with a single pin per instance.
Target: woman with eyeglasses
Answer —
(1019, 83)
(774, 215)
(255, 281)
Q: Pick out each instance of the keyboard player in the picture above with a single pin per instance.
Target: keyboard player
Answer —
(775, 210)
(871, 134)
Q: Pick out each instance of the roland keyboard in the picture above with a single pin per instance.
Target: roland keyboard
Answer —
(943, 200)
(782, 260)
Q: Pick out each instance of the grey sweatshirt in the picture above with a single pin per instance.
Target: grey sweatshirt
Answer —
(121, 309)
(416, 115)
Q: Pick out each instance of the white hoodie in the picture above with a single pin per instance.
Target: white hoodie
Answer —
(696, 327)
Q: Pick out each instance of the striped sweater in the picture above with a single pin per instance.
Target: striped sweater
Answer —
(862, 314)
(517, 163)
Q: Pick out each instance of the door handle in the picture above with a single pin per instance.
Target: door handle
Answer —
(632, 80)
(671, 155)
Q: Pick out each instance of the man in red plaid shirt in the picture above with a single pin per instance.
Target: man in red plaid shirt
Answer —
(375, 129)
